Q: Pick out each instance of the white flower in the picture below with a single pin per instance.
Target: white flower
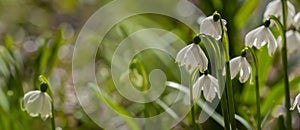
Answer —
(275, 8)
(192, 56)
(259, 37)
(296, 103)
(240, 64)
(37, 102)
(209, 85)
(297, 21)
(292, 40)
(211, 27)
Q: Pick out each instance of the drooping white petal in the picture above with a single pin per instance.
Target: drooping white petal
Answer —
(262, 37)
(190, 60)
(33, 107)
(180, 55)
(297, 20)
(235, 66)
(208, 90)
(292, 39)
(272, 43)
(209, 27)
(215, 85)
(251, 37)
(197, 87)
(200, 57)
(29, 95)
(46, 107)
(296, 103)
(246, 70)
(274, 7)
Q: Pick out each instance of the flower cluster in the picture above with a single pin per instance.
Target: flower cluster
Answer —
(192, 56)
(262, 35)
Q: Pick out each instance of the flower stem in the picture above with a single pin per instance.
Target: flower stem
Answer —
(225, 109)
(193, 76)
(257, 94)
(44, 80)
(282, 30)
(285, 68)
(53, 116)
(230, 94)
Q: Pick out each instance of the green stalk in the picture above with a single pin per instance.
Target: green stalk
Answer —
(257, 94)
(193, 76)
(285, 68)
(282, 30)
(225, 109)
(44, 80)
(229, 89)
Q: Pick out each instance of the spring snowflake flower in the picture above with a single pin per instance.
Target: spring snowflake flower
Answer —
(275, 8)
(260, 37)
(292, 39)
(297, 21)
(209, 85)
(192, 56)
(240, 64)
(37, 102)
(211, 26)
(296, 103)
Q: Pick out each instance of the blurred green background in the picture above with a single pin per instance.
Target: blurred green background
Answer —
(38, 36)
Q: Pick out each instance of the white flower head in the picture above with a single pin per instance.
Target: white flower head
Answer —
(209, 85)
(296, 103)
(240, 64)
(192, 56)
(275, 8)
(260, 37)
(37, 103)
(292, 40)
(211, 26)
(297, 21)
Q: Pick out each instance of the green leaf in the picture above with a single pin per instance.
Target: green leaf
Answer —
(56, 44)
(123, 113)
(244, 12)
(216, 116)
(275, 94)
(3, 101)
